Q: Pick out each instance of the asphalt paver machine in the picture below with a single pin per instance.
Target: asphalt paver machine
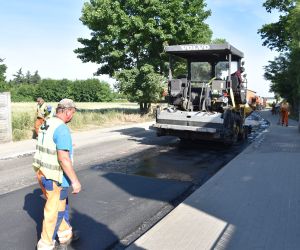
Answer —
(208, 102)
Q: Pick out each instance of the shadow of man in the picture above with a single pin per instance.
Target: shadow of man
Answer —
(34, 205)
(93, 235)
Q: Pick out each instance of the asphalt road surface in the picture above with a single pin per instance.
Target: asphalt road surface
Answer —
(129, 183)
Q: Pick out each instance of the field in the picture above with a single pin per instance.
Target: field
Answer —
(89, 116)
(31, 106)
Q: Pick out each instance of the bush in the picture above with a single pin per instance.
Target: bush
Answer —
(91, 90)
(23, 93)
(4, 87)
(22, 120)
(20, 134)
(22, 125)
(54, 90)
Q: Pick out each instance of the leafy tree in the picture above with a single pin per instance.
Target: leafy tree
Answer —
(278, 35)
(23, 93)
(35, 78)
(219, 41)
(130, 35)
(284, 36)
(105, 93)
(142, 85)
(54, 90)
(18, 77)
(3, 68)
(28, 77)
(91, 90)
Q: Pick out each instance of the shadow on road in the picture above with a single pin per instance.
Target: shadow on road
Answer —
(148, 188)
(93, 235)
(34, 206)
(146, 136)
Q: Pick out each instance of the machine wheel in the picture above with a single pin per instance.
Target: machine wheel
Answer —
(160, 132)
(242, 135)
(231, 128)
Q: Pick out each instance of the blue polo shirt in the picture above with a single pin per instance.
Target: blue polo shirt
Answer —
(62, 139)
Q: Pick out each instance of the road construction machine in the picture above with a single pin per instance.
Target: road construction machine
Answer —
(208, 101)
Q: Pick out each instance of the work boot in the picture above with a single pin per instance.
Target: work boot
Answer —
(59, 246)
(64, 246)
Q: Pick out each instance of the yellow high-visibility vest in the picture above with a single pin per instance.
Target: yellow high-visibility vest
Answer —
(45, 158)
(41, 110)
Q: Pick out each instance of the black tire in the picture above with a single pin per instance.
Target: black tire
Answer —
(231, 131)
(243, 135)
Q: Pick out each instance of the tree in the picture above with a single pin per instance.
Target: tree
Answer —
(54, 90)
(35, 78)
(3, 68)
(143, 86)
(23, 93)
(284, 36)
(28, 77)
(18, 77)
(131, 33)
(104, 94)
(128, 35)
(91, 90)
(278, 35)
(219, 41)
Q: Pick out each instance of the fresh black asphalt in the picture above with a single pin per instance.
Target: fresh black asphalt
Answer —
(110, 207)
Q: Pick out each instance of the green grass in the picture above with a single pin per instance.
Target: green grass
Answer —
(89, 116)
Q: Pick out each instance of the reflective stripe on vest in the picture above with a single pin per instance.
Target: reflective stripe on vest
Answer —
(46, 150)
(45, 158)
(47, 165)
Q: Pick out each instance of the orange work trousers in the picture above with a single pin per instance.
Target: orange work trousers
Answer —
(56, 214)
(39, 121)
(285, 117)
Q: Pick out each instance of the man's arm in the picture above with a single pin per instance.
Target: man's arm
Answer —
(66, 164)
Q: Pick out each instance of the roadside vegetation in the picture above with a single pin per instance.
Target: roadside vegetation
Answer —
(89, 116)
(283, 36)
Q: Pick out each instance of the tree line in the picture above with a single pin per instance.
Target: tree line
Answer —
(284, 36)
(26, 88)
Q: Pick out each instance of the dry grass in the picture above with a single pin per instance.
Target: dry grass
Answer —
(30, 106)
(89, 116)
(91, 119)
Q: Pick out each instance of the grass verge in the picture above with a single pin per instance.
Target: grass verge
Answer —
(88, 117)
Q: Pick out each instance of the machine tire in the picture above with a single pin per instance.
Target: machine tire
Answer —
(231, 131)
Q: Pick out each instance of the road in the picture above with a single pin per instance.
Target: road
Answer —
(130, 181)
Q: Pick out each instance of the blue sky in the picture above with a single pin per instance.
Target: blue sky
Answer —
(41, 35)
(238, 21)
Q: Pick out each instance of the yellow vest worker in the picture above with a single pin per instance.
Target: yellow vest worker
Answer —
(54, 167)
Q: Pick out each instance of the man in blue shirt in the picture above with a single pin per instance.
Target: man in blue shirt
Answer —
(53, 163)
